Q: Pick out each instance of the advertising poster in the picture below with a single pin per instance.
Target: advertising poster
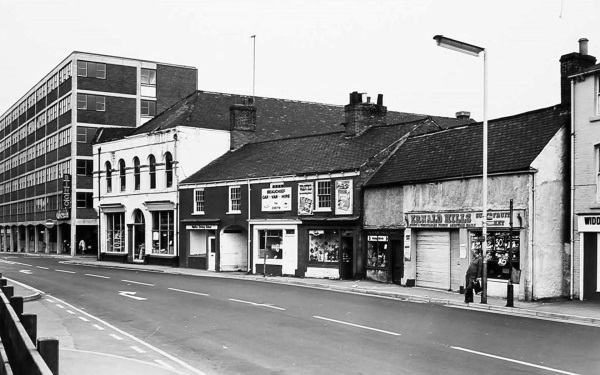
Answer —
(343, 197)
(407, 249)
(305, 198)
(277, 199)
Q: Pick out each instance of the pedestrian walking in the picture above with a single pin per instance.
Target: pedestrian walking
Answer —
(473, 275)
(82, 246)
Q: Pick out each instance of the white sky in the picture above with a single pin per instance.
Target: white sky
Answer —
(316, 50)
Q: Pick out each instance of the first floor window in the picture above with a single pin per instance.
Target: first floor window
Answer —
(270, 243)
(498, 251)
(84, 200)
(323, 195)
(199, 200)
(163, 229)
(115, 232)
(235, 199)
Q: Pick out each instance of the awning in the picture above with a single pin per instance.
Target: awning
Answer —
(159, 205)
(112, 208)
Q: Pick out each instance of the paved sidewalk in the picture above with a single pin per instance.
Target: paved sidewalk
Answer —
(575, 311)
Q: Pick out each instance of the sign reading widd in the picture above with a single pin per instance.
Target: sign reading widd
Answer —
(277, 199)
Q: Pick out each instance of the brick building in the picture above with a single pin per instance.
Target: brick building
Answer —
(45, 144)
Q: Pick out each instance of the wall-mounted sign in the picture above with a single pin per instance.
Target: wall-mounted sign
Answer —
(343, 197)
(305, 198)
(62, 214)
(588, 223)
(407, 240)
(496, 219)
(377, 238)
(277, 199)
(202, 226)
(66, 191)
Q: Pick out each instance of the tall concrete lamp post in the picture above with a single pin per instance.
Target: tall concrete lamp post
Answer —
(472, 50)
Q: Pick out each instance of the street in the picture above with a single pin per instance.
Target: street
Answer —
(228, 326)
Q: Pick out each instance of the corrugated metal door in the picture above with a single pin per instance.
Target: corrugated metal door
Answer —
(433, 259)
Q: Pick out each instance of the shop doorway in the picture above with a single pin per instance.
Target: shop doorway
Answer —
(398, 261)
(139, 236)
(211, 253)
(590, 267)
(433, 259)
(347, 250)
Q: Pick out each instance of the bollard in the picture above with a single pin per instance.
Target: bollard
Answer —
(16, 302)
(48, 349)
(8, 291)
(29, 322)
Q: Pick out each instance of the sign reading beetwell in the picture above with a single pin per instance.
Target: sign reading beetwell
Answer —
(343, 197)
(305, 198)
(277, 199)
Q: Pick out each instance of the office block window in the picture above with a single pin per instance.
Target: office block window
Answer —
(84, 167)
(91, 69)
(148, 77)
(84, 200)
(91, 102)
(148, 108)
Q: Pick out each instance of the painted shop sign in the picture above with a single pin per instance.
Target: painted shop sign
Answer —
(277, 199)
(496, 219)
(201, 226)
(343, 197)
(305, 198)
(588, 223)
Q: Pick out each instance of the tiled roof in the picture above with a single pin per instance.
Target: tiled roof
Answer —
(331, 152)
(275, 118)
(513, 144)
(591, 69)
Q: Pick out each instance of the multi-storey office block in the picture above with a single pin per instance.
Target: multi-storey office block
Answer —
(46, 160)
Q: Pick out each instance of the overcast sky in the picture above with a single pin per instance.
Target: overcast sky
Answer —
(316, 50)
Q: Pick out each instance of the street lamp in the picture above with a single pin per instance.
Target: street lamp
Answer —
(472, 50)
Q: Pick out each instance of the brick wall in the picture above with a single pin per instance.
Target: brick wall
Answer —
(173, 84)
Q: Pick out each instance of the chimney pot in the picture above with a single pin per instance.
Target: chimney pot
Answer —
(583, 46)
(368, 99)
(380, 100)
(463, 115)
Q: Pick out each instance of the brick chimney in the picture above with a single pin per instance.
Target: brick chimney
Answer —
(242, 124)
(360, 116)
(573, 63)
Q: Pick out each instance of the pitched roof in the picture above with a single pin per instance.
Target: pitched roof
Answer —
(331, 152)
(513, 144)
(275, 118)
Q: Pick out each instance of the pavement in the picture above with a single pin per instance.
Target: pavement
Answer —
(74, 359)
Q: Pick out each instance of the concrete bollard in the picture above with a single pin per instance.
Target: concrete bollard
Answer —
(48, 349)
(29, 322)
(8, 291)
(16, 302)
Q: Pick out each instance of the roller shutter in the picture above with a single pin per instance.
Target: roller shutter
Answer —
(433, 259)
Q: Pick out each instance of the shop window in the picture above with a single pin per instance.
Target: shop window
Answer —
(199, 201)
(377, 247)
(324, 247)
(235, 199)
(122, 176)
(597, 152)
(169, 169)
(115, 232)
(108, 177)
(323, 195)
(152, 171)
(136, 173)
(163, 232)
(270, 243)
(498, 252)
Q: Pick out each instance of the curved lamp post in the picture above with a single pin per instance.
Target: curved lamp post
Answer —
(473, 50)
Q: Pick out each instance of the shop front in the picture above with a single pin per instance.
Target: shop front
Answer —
(275, 247)
(201, 242)
(444, 243)
(329, 251)
(385, 256)
(588, 227)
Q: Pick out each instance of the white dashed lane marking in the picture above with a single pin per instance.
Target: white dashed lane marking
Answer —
(137, 282)
(64, 271)
(189, 292)
(98, 276)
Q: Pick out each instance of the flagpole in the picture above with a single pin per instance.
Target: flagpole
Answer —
(253, 65)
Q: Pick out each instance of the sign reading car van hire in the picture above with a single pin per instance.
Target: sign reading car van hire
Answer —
(277, 199)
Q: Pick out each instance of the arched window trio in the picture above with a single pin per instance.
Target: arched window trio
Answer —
(122, 172)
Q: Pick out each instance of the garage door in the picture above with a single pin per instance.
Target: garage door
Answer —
(433, 259)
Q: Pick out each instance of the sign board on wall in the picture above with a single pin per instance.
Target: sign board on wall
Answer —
(64, 212)
(277, 199)
(343, 197)
(407, 249)
(588, 223)
(202, 226)
(496, 219)
(305, 198)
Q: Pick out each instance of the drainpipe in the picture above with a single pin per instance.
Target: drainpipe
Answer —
(531, 232)
(572, 208)
(99, 214)
(176, 182)
(249, 245)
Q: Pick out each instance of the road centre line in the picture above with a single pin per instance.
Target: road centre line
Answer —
(141, 351)
(57, 270)
(258, 304)
(116, 337)
(99, 276)
(137, 282)
(99, 327)
(187, 291)
(514, 361)
(71, 312)
(42, 268)
(164, 364)
(358, 326)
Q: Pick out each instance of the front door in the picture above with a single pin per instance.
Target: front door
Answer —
(347, 249)
(211, 253)
(398, 259)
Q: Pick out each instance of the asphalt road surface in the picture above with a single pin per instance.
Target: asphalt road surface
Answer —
(230, 326)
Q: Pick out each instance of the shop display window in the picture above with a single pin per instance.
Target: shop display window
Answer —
(115, 232)
(270, 243)
(377, 247)
(324, 246)
(163, 232)
(498, 252)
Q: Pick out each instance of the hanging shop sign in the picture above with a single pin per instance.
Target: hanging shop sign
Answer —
(305, 198)
(277, 199)
(343, 197)
(496, 219)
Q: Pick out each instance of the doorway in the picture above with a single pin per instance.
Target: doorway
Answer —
(211, 252)
(398, 261)
(139, 236)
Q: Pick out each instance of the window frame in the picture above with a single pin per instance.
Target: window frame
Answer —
(199, 201)
(146, 109)
(235, 200)
(108, 170)
(122, 175)
(152, 171)
(136, 173)
(149, 77)
(320, 198)
(168, 170)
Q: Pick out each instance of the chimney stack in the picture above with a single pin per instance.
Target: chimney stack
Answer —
(463, 115)
(571, 64)
(361, 116)
(242, 124)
